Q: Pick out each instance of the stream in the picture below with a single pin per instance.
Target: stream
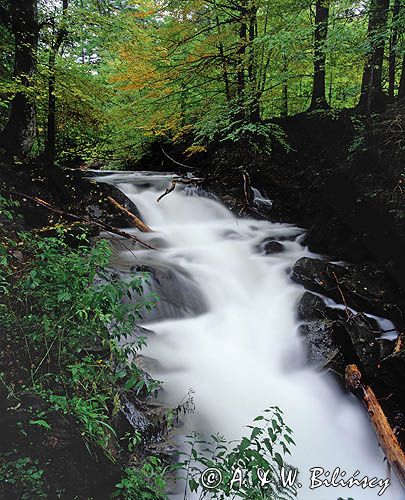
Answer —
(226, 328)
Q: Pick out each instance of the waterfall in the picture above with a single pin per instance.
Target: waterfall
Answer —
(240, 351)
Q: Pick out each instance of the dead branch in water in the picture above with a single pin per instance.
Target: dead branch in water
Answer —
(85, 220)
(246, 187)
(347, 310)
(135, 220)
(185, 181)
(385, 435)
(248, 196)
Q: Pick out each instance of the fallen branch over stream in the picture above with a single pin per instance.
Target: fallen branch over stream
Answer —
(135, 220)
(185, 181)
(385, 435)
(85, 220)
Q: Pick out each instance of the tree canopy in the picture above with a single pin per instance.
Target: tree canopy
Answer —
(96, 79)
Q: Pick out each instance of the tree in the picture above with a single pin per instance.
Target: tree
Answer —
(55, 45)
(19, 133)
(392, 57)
(372, 95)
(401, 89)
(318, 100)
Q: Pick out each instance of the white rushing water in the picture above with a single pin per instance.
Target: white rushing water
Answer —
(243, 354)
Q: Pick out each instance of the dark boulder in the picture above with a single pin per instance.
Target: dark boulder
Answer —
(311, 307)
(273, 247)
(178, 294)
(317, 331)
(333, 339)
(330, 235)
(357, 340)
(320, 346)
(317, 275)
(363, 288)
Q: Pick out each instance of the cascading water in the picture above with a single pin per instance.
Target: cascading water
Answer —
(240, 351)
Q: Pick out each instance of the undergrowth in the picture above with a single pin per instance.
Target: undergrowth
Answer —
(67, 327)
(68, 367)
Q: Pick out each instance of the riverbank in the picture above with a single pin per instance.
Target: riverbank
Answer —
(74, 407)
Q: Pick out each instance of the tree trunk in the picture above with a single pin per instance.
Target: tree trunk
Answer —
(372, 95)
(50, 144)
(222, 57)
(254, 96)
(241, 54)
(18, 136)
(318, 100)
(284, 109)
(401, 90)
(392, 58)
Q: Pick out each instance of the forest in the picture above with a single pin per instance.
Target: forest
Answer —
(85, 81)
(201, 227)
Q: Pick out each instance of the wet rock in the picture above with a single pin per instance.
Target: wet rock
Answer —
(137, 419)
(363, 288)
(311, 307)
(329, 235)
(357, 340)
(317, 332)
(369, 289)
(178, 294)
(272, 247)
(317, 275)
(148, 364)
(318, 338)
(329, 334)
(283, 237)
(387, 347)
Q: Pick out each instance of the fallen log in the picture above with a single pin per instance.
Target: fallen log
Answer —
(135, 220)
(385, 435)
(85, 220)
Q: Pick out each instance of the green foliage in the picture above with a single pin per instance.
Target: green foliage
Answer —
(25, 476)
(69, 315)
(359, 141)
(126, 75)
(70, 321)
(227, 124)
(6, 208)
(147, 482)
(261, 452)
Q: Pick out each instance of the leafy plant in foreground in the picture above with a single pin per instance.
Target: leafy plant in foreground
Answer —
(147, 482)
(73, 322)
(252, 469)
